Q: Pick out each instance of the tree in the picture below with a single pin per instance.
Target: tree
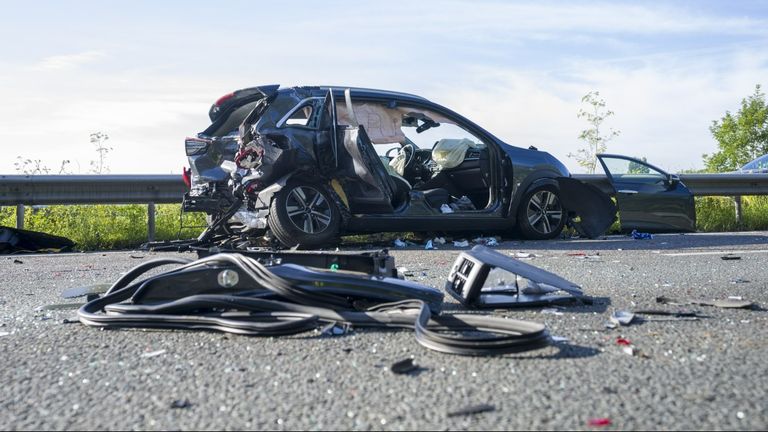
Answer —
(740, 137)
(596, 142)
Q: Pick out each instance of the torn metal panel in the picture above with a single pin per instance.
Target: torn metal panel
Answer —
(484, 278)
(595, 210)
(17, 240)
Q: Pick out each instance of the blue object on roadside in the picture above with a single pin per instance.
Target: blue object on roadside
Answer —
(641, 235)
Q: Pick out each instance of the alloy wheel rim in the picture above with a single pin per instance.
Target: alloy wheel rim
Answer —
(308, 209)
(544, 212)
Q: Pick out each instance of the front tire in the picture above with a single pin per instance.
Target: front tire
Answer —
(304, 214)
(541, 215)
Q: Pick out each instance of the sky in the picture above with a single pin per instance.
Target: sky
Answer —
(145, 73)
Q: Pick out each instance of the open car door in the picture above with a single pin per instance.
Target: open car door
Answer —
(649, 199)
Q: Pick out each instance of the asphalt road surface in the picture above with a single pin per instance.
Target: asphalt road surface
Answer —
(709, 373)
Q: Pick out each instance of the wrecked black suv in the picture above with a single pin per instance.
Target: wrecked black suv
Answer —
(304, 165)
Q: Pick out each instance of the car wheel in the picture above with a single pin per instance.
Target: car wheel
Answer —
(304, 214)
(541, 214)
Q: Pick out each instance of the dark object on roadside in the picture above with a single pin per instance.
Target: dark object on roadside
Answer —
(471, 410)
(15, 240)
(723, 303)
(237, 294)
(18, 261)
(404, 367)
(180, 404)
(641, 235)
(301, 166)
(730, 257)
(484, 278)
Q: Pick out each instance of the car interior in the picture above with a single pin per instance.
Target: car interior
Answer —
(411, 154)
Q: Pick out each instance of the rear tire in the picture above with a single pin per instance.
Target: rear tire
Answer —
(304, 214)
(541, 215)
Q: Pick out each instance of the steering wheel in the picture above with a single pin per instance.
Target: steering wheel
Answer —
(410, 152)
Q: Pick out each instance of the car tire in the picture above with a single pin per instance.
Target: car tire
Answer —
(540, 215)
(304, 214)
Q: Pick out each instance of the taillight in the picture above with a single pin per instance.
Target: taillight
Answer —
(224, 98)
(195, 146)
(186, 176)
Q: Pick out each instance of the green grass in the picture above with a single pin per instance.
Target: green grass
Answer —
(98, 227)
(95, 227)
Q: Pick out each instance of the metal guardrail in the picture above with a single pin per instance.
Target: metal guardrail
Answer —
(727, 184)
(22, 190)
(91, 189)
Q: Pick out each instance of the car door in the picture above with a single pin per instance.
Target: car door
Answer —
(649, 199)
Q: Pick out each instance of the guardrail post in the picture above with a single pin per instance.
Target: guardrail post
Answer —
(19, 216)
(737, 205)
(151, 222)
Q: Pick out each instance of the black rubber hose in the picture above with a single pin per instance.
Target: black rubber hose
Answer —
(300, 311)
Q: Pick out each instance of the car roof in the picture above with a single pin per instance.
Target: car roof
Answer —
(367, 92)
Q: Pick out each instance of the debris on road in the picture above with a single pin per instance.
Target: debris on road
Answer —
(725, 303)
(525, 255)
(180, 404)
(461, 243)
(486, 241)
(484, 278)
(404, 367)
(471, 410)
(599, 422)
(335, 329)
(153, 354)
(399, 243)
(439, 240)
(730, 257)
(635, 234)
(18, 261)
(622, 317)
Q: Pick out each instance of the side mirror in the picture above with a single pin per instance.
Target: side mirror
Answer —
(672, 180)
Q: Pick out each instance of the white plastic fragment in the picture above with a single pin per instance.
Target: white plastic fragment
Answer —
(429, 245)
(153, 354)
(550, 311)
(439, 240)
(462, 243)
(525, 255)
(445, 208)
(622, 317)
(399, 243)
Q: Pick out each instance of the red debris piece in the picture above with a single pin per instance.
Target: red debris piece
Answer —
(599, 422)
(622, 341)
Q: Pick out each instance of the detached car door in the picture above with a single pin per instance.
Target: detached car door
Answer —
(649, 199)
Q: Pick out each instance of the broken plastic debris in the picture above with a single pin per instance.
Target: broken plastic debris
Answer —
(403, 367)
(559, 339)
(470, 410)
(551, 311)
(487, 241)
(405, 271)
(462, 243)
(524, 255)
(18, 261)
(445, 208)
(641, 235)
(622, 317)
(730, 257)
(334, 267)
(439, 240)
(429, 245)
(335, 329)
(623, 342)
(399, 243)
(599, 422)
(180, 404)
(739, 281)
(153, 354)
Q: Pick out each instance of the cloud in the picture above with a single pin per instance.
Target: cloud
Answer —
(68, 61)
